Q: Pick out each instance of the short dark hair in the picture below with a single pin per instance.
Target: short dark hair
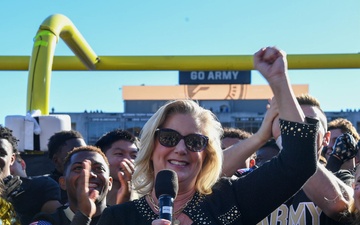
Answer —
(6, 133)
(306, 99)
(105, 141)
(88, 148)
(57, 140)
(345, 126)
(230, 132)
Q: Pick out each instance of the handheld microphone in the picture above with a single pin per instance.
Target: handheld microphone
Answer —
(166, 188)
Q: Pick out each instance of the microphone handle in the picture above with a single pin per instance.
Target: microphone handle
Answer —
(166, 207)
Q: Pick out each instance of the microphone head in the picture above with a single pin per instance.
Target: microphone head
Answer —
(166, 183)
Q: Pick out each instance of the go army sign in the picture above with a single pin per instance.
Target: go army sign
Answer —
(214, 77)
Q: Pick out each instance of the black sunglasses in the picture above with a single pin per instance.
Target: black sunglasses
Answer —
(170, 138)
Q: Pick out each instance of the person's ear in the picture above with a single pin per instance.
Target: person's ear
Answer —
(326, 139)
(23, 164)
(62, 183)
(54, 159)
(110, 183)
(252, 163)
(12, 159)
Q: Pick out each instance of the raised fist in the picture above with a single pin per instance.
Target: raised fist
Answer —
(345, 147)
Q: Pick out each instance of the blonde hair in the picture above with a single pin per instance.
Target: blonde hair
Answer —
(143, 177)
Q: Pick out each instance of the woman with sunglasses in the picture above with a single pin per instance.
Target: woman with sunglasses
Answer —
(184, 137)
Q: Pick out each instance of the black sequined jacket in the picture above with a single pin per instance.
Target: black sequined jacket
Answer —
(246, 200)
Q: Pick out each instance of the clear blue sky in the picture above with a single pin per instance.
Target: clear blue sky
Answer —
(187, 27)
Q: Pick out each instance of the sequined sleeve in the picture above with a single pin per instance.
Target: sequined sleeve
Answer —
(266, 188)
